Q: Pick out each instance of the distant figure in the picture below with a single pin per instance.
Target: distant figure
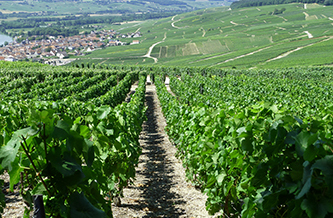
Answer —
(148, 82)
(167, 80)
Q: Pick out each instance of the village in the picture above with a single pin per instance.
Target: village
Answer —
(64, 47)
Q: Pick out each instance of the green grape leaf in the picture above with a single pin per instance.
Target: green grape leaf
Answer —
(85, 132)
(66, 164)
(328, 204)
(310, 151)
(59, 133)
(103, 112)
(302, 141)
(9, 151)
(298, 120)
(88, 151)
(39, 189)
(63, 125)
(313, 209)
(15, 173)
(220, 178)
(326, 166)
(305, 189)
(307, 176)
(211, 181)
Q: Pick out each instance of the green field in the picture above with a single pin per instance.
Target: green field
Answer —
(226, 38)
(88, 6)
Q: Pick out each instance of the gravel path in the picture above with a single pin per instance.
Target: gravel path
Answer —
(14, 203)
(160, 188)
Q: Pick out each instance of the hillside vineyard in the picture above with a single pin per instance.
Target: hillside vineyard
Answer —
(258, 143)
(69, 135)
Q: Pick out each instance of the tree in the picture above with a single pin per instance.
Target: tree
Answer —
(328, 2)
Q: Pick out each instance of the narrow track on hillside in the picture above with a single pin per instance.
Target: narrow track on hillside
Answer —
(148, 55)
(241, 56)
(173, 23)
(204, 59)
(297, 49)
(203, 32)
(309, 34)
(160, 188)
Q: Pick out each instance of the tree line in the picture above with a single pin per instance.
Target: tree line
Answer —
(53, 31)
(80, 20)
(255, 3)
(70, 25)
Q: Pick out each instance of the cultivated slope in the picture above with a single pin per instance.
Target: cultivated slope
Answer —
(268, 36)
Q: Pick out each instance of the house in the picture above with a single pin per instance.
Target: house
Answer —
(113, 43)
(38, 51)
(10, 58)
(53, 52)
(136, 35)
(62, 55)
(46, 54)
(135, 42)
(90, 48)
(54, 45)
(100, 44)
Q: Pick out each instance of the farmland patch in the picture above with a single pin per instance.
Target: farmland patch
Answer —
(190, 49)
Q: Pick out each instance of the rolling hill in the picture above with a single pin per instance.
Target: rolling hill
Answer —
(302, 34)
(71, 7)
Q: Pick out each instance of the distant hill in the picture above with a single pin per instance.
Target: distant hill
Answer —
(261, 37)
(67, 7)
(256, 3)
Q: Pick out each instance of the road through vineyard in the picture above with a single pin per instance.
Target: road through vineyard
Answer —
(160, 188)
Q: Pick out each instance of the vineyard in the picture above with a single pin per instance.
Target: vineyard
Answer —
(258, 143)
(68, 134)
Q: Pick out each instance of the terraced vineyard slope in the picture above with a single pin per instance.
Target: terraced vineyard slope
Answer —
(261, 37)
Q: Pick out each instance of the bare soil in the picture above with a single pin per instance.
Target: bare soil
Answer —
(160, 188)
(14, 203)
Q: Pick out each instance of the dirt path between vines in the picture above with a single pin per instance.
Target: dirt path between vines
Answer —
(160, 188)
